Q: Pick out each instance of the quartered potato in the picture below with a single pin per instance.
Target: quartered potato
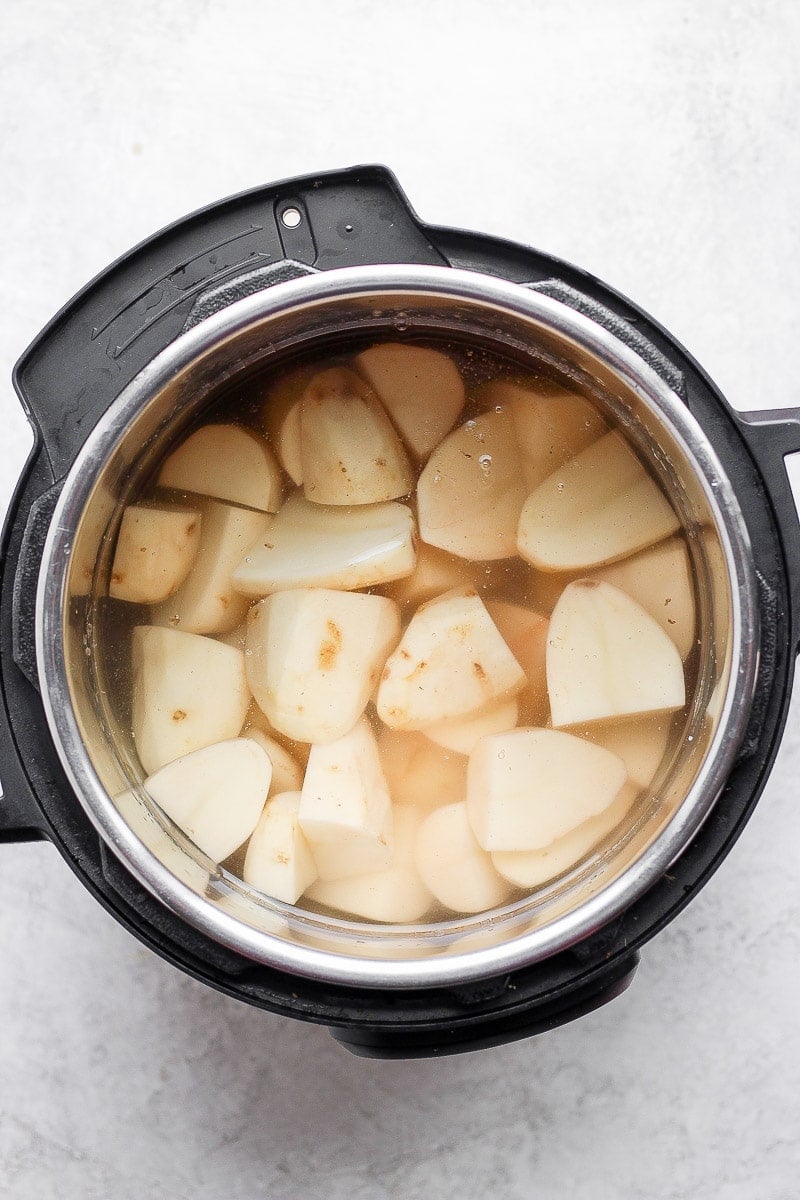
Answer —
(463, 734)
(531, 868)
(600, 506)
(419, 772)
(396, 894)
(279, 861)
(287, 774)
(227, 462)
(454, 867)
(530, 786)
(421, 390)
(349, 450)
(435, 572)
(641, 743)
(472, 489)
(188, 692)
(608, 658)
(345, 810)
(154, 553)
(314, 657)
(552, 424)
(281, 416)
(206, 601)
(451, 662)
(660, 579)
(524, 631)
(215, 795)
(318, 545)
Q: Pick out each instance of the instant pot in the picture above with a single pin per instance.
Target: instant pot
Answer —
(133, 359)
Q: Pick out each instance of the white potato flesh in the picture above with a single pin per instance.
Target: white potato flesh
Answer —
(154, 553)
(531, 868)
(524, 631)
(349, 450)
(463, 734)
(422, 391)
(454, 867)
(600, 506)
(279, 861)
(419, 772)
(314, 657)
(530, 786)
(215, 795)
(472, 489)
(287, 774)
(608, 658)
(641, 743)
(281, 415)
(188, 692)
(451, 662)
(345, 810)
(206, 601)
(435, 572)
(394, 895)
(660, 579)
(317, 545)
(227, 462)
(552, 424)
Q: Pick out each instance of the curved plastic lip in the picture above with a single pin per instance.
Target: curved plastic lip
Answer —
(436, 971)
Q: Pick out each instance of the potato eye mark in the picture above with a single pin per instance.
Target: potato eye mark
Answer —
(329, 649)
(179, 715)
(479, 671)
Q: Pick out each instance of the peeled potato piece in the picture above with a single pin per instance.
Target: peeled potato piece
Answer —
(227, 462)
(435, 572)
(316, 545)
(472, 490)
(396, 894)
(257, 720)
(463, 734)
(154, 553)
(660, 579)
(421, 390)
(215, 795)
(600, 506)
(641, 743)
(345, 810)
(454, 867)
(282, 419)
(188, 692)
(527, 787)
(314, 657)
(279, 861)
(525, 633)
(608, 658)
(349, 451)
(451, 662)
(287, 775)
(530, 868)
(206, 601)
(552, 424)
(419, 772)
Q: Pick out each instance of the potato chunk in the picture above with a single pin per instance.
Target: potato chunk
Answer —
(527, 787)
(396, 894)
(154, 553)
(552, 424)
(227, 462)
(472, 490)
(419, 772)
(660, 579)
(435, 572)
(530, 868)
(524, 631)
(188, 692)
(349, 451)
(206, 601)
(281, 416)
(422, 391)
(608, 658)
(463, 734)
(279, 861)
(451, 662)
(454, 867)
(345, 810)
(314, 657)
(287, 774)
(215, 795)
(640, 742)
(600, 506)
(317, 545)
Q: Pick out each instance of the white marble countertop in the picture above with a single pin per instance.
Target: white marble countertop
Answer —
(657, 145)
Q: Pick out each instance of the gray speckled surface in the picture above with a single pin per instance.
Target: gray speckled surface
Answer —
(657, 145)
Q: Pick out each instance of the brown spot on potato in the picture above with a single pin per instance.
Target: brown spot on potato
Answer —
(404, 653)
(479, 671)
(329, 649)
(380, 462)
(179, 715)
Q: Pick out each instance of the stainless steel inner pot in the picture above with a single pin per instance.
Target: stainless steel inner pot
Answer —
(396, 302)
